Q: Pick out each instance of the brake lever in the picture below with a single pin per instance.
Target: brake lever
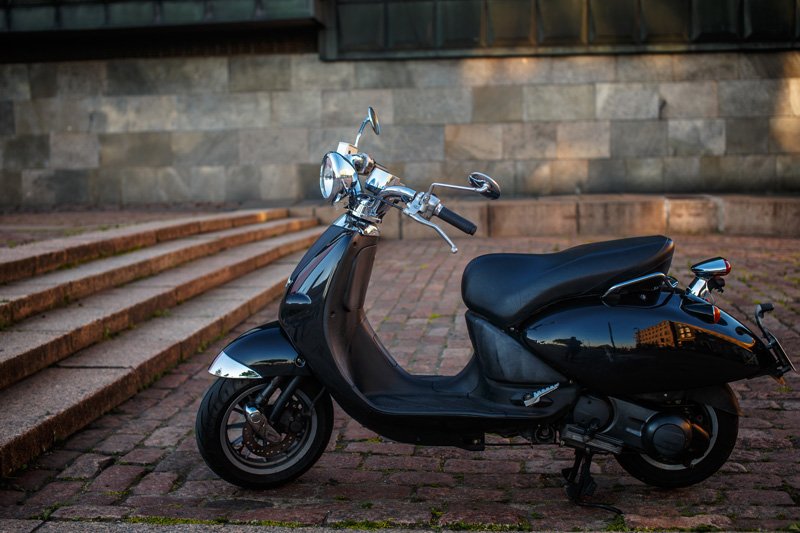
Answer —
(415, 216)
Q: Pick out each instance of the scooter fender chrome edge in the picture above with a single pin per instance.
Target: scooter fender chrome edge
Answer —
(260, 352)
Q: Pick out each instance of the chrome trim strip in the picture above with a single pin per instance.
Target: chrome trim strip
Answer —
(656, 275)
(225, 367)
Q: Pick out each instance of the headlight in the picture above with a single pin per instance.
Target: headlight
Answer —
(336, 176)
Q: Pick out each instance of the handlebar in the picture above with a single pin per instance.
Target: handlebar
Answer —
(456, 220)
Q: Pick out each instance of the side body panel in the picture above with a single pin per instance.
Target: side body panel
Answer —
(633, 350)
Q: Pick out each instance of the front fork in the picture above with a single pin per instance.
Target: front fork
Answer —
(265, 425)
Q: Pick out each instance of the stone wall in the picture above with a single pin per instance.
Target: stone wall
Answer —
(245, 128)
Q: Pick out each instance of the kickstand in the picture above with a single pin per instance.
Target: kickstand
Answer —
(585, 485)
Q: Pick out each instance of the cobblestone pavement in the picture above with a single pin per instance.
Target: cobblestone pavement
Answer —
(139, 464)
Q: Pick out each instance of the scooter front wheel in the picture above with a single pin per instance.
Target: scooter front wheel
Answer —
(263, 456)
(722, 428)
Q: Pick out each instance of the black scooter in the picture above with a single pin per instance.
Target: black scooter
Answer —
(593, 347)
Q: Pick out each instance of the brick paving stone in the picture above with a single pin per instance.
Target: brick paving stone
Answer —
(19, 526)
(55, 492)
(86, 466)
(30, 480)
(119, 443)
(97, 498)
(156, 483)
(56, 459)
(166, 436)
(92, 512)
(142, 456)
(311, 516)
(117, 478)
(466, 466)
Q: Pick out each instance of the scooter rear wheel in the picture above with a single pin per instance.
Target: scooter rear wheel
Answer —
(239, 454)
(722, 427)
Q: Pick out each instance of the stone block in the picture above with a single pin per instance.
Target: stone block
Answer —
(531, 176)
(747, 136)
(517, 70)
(139, 186)
(308, 72)
(308, 181)
(682, 174)
(265, 146)
(784, 135)
(639, 139)
(497, 104)
(749, 215)
(259, 73)
(456, 172)
(773, 64)
(568, 176)
(432, 106)
(525, 218)
(207, 184)
(644, 175)
(167, 76)
(624, 101)
(688, 99)
(135, 150)
(583, 69)
(14, 83)
(583, 140)
(109, 115)
(104, 186)
(10, 188)
(7, 118)
(473, 141)
(42, 80)
(694, 216)
(151, 113)
(534, 140)
(787, 170)
(747, 173)
(174, 184)
(693, 67)
(71, 186)
(420, 176)
(242, 184)
(323, 140)
(644, 68)
(622, 215)
(383, 75)
(559, 102)
(349, 108)
(298, 108)
(696, 137)
(754, 98)
(205, 148)
(400, 144)
(74, 150)
(428, 73)
(42, 117)
(605, 175)
(25, 152)
(38, 187)
(78, 79)
(280, 182)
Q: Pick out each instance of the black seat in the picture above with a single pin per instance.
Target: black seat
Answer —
(507, 288)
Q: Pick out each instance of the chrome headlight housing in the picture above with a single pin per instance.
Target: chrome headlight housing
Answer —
(337, 177)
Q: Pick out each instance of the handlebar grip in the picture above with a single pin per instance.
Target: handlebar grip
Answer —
(457, 221)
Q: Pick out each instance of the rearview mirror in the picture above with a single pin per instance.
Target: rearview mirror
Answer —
(486, 186)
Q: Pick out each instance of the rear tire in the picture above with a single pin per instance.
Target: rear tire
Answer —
(238, 455)
(722, 427)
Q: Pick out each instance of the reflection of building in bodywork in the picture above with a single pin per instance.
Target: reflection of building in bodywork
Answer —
(666, 333)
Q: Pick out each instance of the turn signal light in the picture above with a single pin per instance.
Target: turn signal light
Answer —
(717, 314)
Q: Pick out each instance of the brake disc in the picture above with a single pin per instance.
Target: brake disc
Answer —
(263, 447)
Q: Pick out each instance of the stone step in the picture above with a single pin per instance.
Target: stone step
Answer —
(23, 298)
(42, 340)
(40, 257)
(54, 403)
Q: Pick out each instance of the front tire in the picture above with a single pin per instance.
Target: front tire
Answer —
(236, 453)
(723, 429)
